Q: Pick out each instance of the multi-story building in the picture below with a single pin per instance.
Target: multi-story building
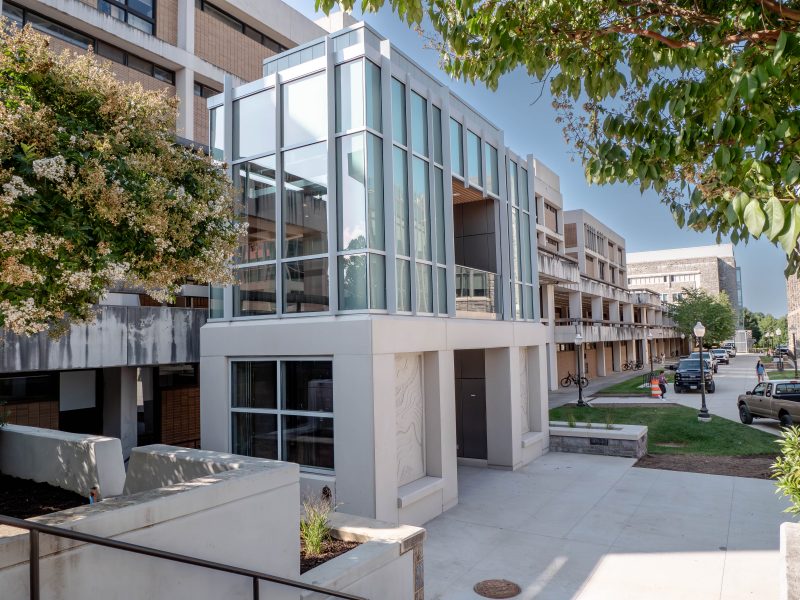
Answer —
(668, 272)
(793, 304)
(386, 323)
(134, 373)
(583, 290)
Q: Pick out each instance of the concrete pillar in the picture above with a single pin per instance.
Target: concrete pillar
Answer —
(186, 25)
(552, 365)
(627, 313)
(549, 314)
(651, 316)
(538, 407)
(631, 349)
(616, 356)
(503, 432)
(575, 305)
(440, 423)
(597, 308)
(601, 359)
(613, 310)
(119, 406)
(549, 304)
(184, 88)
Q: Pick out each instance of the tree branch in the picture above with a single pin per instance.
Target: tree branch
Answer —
(781, 10)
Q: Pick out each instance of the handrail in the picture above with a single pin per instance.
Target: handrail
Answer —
(34, 529)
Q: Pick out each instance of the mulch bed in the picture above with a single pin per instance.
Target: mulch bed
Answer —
(757, 467)
(330, 550)
(23, 498)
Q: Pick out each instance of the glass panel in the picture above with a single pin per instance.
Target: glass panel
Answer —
(419, 124)
(526, 248)
(403, 285)
(255, 384)
(254, 435)
(304, 115)
(353, 282)
(256, 179)
(492, 180)
(456, 150)
(424, 288)
(422, 209)
(512, 183)
(528, 297)
(442, 290)
(307, 385)
(522, 187)
(110, 52)
(474, 159)
(144, 66)
(305, 286)
(140, 24)
(217, 133)
(13, 13)
(518, 302)
(377, 281)
(398, 112)
(254, 124)
(352, 193)
(373, 95)
(216, 306)
(349, 96)
(438, 196)
(437, 135)
(515, 243)
(305, 201)
(255, 294)
(400, 177)
(143, 7)
(375, 216)
(308, 441)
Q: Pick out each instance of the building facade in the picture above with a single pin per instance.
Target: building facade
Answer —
(793, 304)
(134, 374)
(386, 322)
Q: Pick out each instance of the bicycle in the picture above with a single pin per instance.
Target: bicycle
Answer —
(632, 366)
(571, 379)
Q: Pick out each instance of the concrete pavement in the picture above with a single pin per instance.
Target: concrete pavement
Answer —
(572, 526)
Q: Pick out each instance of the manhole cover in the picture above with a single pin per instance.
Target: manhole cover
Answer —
(497, 588)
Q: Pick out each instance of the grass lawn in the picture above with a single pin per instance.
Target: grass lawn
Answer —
(676, 430)
(631, 386)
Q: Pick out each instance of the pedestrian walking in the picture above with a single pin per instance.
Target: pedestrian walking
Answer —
(662, 383)
(760, 371)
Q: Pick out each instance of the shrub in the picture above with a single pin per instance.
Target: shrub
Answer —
(571, 420)
(314, 529)
(786, 469)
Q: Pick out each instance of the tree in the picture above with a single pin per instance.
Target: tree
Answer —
(715, 312)
(695, 100)
(768, 324)
(751, 320)
(95, 192)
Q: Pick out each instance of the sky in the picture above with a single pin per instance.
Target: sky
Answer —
(530, 127)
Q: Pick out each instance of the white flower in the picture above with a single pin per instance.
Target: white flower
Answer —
(50, 168)
(14, 189)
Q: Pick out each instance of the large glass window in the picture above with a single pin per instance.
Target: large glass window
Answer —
(254, 124)
(283, 410)
(422, 209)
(526, 248)
(403, 285)
(522, 188)
(373, 94)
(216, 302)
(360, 184)
(424, 288)
(256, 179)
(217, 133)
(513, 197)
(305, 286)
(442, 290)
(362, 282)
(492, 180)
(305, 201)
(350, 96)
(136, 13)
(456, 148)
(255, 293)
(400, 178)
(419, 124)
(398, 112)
(438, 195)
(437, 135)
(474, 159)
(304, 110)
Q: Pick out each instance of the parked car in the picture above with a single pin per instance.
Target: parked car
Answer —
(687, 376)
(721, 356)
(771, 400)
(709, 356)
(782, 350)
(731, 348)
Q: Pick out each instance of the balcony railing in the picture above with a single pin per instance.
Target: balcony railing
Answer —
(476, 291)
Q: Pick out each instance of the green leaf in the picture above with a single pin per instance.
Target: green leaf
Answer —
(754, 218)
(792, 173)
(775, 217)
(788, 239)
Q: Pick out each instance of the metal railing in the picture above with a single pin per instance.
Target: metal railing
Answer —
(34, 529)
(476, 290)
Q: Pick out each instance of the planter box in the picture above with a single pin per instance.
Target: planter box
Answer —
(621, 440)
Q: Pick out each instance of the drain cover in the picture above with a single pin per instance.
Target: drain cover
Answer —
(497, 588)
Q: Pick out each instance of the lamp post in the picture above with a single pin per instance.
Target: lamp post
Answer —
(579, 350)
(702, 416)
(650, 346)
(794, 349)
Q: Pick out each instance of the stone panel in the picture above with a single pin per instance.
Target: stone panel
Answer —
(410, 420)
(599, 445)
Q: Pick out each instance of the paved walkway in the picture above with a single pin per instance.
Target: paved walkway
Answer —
(572, 526)
(563, 396)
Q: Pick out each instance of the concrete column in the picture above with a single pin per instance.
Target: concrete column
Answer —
(630, 346)
(538, 407)
(575, 307)
(613, 310)
(616, 356)
(184, 88)
(119, 406)
(601, 360)
(627, 313)
(186, 25)
(503, 432)
(651, 316)
(597, 308)
(549, 304)
(549, 314)
(440, 423)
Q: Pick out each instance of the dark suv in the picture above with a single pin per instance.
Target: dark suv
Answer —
(687, 376)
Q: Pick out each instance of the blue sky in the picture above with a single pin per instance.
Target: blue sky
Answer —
(529, 127)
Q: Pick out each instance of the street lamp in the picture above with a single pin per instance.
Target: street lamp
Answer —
(650, 345)
(699, 332)
(578, 342)
(794, 349)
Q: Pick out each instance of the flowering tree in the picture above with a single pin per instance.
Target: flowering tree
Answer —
(94, 191)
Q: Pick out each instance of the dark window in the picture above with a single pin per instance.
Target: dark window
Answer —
(136, 13)
(204, 91)
(238, 25)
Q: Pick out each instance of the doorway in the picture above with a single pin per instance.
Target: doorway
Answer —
(470, 384)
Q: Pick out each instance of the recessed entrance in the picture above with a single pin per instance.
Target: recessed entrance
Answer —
(470, 380)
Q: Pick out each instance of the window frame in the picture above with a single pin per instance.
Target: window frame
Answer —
(125, 8)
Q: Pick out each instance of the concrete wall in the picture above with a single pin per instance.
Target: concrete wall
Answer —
(245, 518)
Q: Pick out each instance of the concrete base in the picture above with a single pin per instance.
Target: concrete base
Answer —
(629, 441)
(790, 561)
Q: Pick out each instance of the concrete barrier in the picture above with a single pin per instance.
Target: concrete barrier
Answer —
(71, 461)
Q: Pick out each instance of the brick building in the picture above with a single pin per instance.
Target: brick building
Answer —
(134, 374)
(793, 303)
